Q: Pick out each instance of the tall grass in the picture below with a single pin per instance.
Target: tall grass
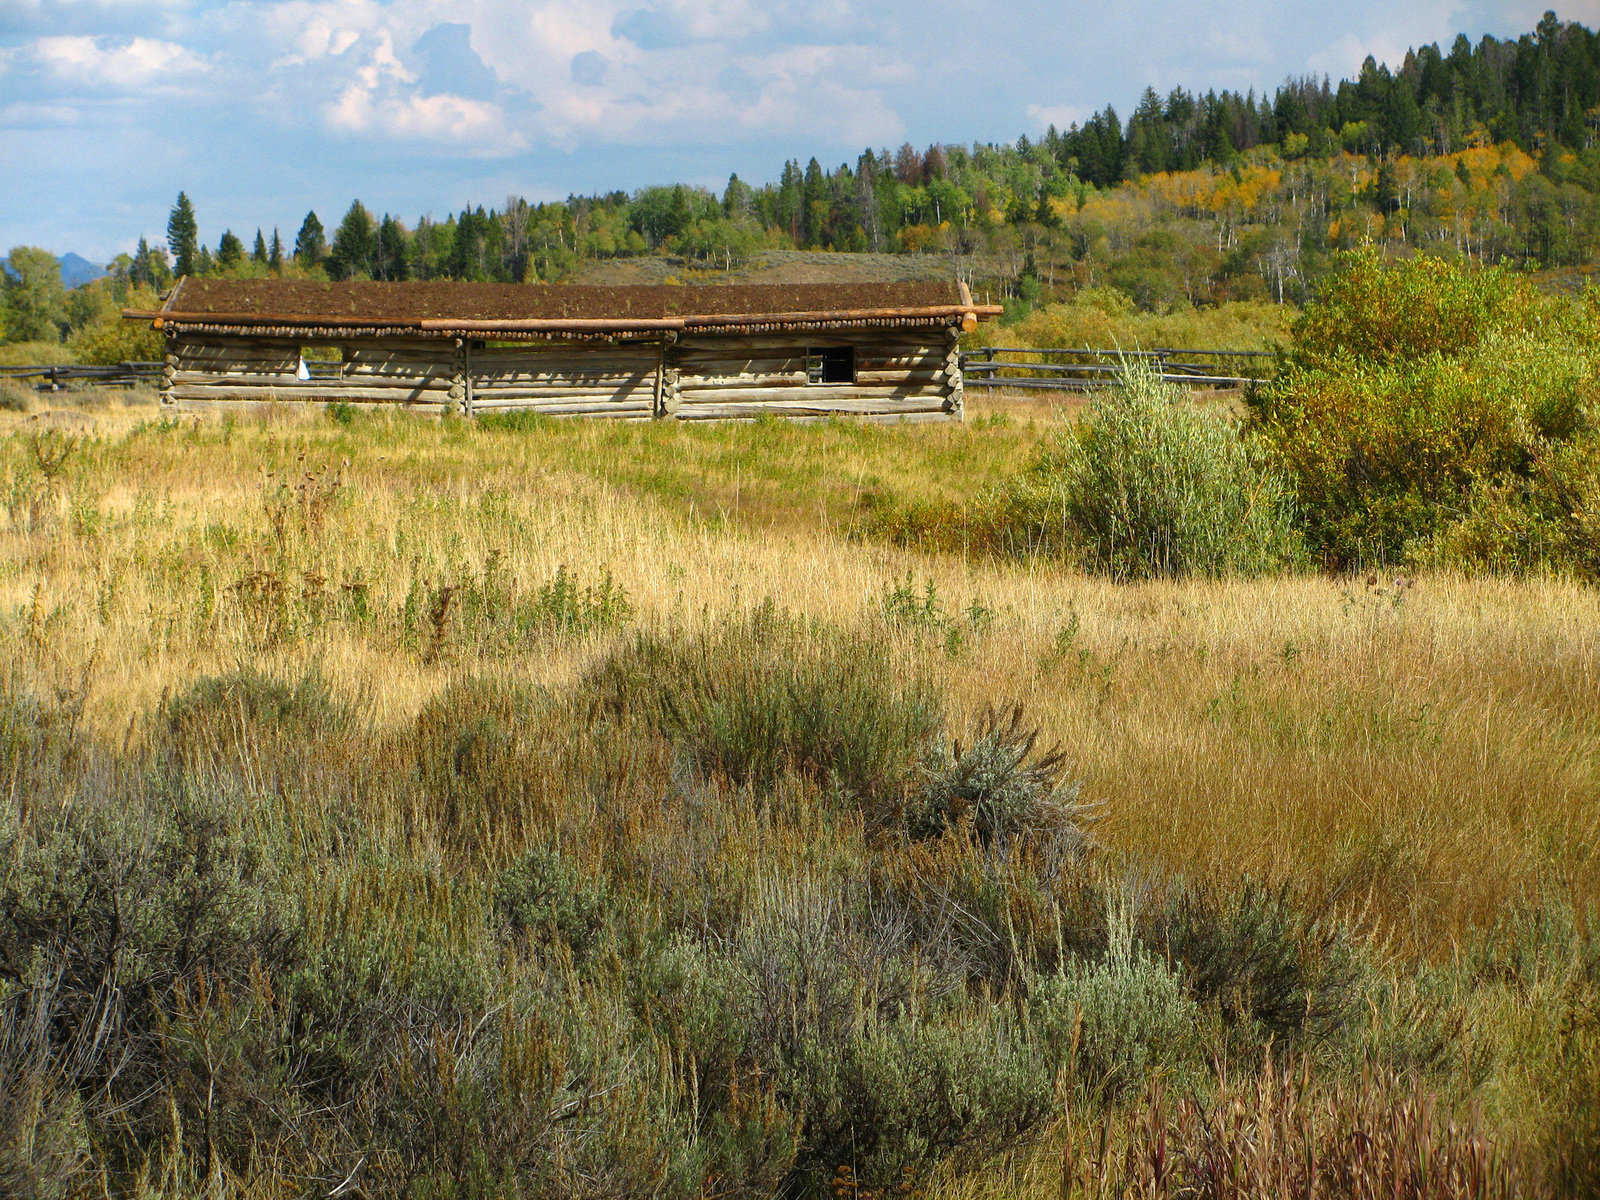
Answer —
(709, 901)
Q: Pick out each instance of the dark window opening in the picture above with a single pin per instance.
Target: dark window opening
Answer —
(831, 364)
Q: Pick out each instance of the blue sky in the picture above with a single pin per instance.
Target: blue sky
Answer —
(262, 109)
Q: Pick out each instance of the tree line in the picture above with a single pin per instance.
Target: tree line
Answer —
(1489, 152)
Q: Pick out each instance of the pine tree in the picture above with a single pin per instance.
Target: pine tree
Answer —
(814, 210)
(258, 252)
(355, 243)
(230, 251)
(148, 267)
(390, 260)
(310, 245)
(275, 254)
(183, 236)
(139, 269)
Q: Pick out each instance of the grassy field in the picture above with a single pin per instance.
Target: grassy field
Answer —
(1400, 775)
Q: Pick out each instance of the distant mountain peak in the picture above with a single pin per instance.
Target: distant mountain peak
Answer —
(77, 270)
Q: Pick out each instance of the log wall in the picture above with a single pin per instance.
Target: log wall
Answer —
(423, 376)
(568, 379)
(899, 374)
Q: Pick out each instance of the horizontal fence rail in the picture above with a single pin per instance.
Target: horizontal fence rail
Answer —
(1073, 369)
(61, 377)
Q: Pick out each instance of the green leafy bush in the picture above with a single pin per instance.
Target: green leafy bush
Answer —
(1546, 519)
(1379, 312)
(108, 339)
(1428, 412)
(1145, 486)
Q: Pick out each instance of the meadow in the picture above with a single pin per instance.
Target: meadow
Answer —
(455, 808)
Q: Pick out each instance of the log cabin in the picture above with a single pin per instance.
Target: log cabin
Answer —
(882, 351)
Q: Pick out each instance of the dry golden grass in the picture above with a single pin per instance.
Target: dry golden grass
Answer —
(1424, 753)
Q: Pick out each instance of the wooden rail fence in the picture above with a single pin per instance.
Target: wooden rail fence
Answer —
(1081, 369)
(61, 377)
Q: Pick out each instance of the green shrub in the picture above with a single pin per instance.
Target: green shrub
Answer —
(119, 916)
(891, 1066)
(544, 899)
(108, 339)
(1274, 970)
(231, 718)
(764, 693)
(1431, 412)
(15, 396)
(1545, 520)
(1379, 312)
(996, 787)
(1108, 1022)
(893, 1098)
(1146, 485)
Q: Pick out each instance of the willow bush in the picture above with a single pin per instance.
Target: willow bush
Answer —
(1443, 414)
(1147, 486)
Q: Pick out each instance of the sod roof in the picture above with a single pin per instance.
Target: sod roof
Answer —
(296, 301)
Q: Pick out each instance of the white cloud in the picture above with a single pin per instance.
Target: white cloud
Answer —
(1060, 115)
(132, 63)
(38, 116)
(469, 124)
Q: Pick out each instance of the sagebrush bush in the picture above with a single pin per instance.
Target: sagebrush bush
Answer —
(893, 1098)
(484, 758)
(1248, 950)
(765, 692)
(15, 396)
(545, 900)
(1146, 485)
(1107, 1022)
(993, 785)
(224, 718)
(115, 916)
(889, 1063)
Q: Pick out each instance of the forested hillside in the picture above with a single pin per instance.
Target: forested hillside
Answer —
(1486, 152)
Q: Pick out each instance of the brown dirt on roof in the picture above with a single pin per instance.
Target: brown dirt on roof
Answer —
(357, 301)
